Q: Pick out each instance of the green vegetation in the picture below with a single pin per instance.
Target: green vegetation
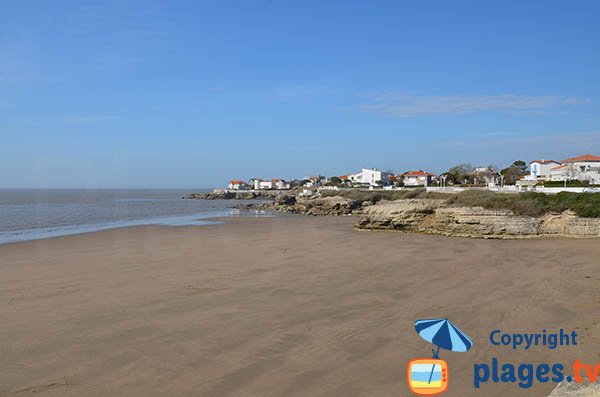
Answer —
(378, 195)
(467, 175)
(586, 205)
(514, 172)
(574, 183)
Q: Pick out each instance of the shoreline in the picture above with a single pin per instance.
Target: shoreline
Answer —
(199, 219)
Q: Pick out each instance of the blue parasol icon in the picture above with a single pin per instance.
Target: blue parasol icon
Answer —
(442, 333)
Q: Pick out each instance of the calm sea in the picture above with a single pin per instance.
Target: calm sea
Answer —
(27, 214)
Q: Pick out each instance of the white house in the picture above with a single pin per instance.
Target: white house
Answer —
(371, 177)
(237, 184)
(260, 184)
(279, 184)
(583, 168)
(315, 181)
(540, 169)
(275, 183)
(417, 178)
(563, 172)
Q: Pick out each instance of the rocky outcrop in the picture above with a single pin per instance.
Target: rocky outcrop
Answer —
(237, 195)
(434, 216)
(481, 222)
(569, 224)
(407, 215)
(437, 217)
(566, 389)
(335, 205)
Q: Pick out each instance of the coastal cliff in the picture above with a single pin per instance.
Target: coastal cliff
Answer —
(422, 212)
(437, 217)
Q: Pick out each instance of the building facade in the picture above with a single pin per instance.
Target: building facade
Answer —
(540, 169)
(585, 168)
(371, 177)
(237, 184)
(417, 178)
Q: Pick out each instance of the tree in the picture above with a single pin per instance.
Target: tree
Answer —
(514, 172)
(459, 174)
(296, 183)
(520, 164)
(334, 181)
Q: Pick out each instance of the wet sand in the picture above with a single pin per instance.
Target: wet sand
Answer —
(288, 306)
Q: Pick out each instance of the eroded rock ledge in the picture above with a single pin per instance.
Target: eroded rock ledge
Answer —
(422, 215)
(315, 205)
(436, 217)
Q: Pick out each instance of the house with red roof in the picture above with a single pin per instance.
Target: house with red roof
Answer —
(584, 168)
(586, 158)
(237, 184)
(280, 184)
(417, 178)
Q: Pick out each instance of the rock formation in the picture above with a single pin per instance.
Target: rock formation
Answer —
(335, 205)
(566, 389)
(236, 195)
(425, 215)
(436, 217)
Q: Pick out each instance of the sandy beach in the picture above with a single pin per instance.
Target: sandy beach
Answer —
(286, 306)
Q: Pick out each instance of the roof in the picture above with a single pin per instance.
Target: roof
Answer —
(344, 177)
(560, 167)
(276, 180)
(585, 157)
(544, 161)
(417, 173)
(237, 182)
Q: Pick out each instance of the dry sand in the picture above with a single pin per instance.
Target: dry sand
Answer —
(289, 306)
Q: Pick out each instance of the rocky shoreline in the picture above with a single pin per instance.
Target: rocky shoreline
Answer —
(421, 215)
(235, 195)
(436, 217)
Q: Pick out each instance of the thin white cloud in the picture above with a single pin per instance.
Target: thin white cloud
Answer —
(410, 106)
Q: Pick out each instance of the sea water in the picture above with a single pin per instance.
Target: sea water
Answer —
(27, 214)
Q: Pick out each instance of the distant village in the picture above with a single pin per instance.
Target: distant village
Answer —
(572, 173)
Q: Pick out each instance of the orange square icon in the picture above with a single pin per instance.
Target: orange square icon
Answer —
(427, 376)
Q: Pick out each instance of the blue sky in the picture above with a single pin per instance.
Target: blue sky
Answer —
(192, 94)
